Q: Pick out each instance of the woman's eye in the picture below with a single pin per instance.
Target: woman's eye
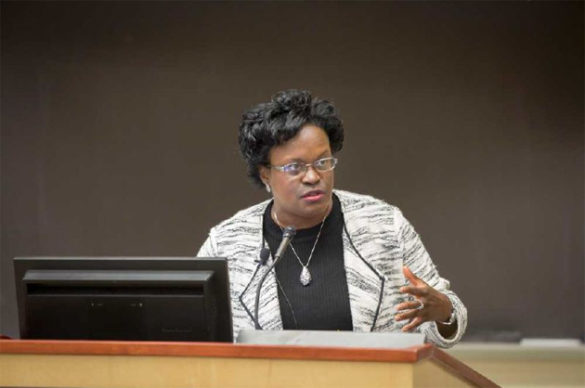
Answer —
(292, 167)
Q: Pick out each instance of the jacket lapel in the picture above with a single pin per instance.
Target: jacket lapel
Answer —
(363, 253)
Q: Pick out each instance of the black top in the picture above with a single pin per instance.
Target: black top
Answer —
(324, 303)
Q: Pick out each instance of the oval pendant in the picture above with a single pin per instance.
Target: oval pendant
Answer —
(305, 276)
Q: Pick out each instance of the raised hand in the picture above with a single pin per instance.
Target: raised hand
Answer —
(429, 304)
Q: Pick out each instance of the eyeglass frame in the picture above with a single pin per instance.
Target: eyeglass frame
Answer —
(305, 166)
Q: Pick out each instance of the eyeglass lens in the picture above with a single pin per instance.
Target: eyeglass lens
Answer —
(325, 164)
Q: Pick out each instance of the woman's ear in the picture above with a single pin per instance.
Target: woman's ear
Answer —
(264, 174)
(265, 177)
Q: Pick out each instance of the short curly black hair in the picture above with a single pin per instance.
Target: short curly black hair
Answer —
(273, 123)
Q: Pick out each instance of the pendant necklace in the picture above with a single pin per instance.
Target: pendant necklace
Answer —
(305, 277)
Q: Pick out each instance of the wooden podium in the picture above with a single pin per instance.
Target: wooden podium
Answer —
(44, 363)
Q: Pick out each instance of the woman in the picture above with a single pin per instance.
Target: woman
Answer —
(355, 262)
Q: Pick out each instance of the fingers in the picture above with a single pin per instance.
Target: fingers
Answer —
(415, 291)
(411, 310)
(410, 305)
(409, 275)
(413, 324)
(409, 314)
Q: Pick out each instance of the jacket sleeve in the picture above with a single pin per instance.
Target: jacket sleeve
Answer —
(418, 260)
(209, 248)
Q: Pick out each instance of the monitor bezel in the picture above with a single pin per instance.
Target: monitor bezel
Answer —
(218, 265)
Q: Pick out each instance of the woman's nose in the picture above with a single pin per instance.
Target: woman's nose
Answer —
(311, 176)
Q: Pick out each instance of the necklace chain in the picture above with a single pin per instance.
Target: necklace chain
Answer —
(305, 278)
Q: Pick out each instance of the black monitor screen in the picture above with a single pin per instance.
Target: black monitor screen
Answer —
(129, 298)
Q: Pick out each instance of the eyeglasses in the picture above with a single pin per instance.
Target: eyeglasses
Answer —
(296, 168)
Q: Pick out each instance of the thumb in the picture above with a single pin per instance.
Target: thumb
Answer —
(409, 275)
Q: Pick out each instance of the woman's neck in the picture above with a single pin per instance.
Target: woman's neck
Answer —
(299, 222)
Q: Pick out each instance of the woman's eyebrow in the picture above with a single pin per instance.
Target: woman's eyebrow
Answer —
(323, 154)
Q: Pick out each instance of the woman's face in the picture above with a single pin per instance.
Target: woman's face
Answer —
(302, 200)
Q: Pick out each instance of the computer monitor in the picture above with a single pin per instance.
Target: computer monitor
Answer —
(123, 298)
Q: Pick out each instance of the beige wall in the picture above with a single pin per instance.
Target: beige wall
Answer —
(119, 132)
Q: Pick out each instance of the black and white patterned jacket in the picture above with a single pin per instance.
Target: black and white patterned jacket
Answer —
(377, 242)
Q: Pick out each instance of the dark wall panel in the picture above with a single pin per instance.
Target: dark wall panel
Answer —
(119, 125)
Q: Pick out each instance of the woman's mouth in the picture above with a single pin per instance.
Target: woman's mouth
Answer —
(313, 196)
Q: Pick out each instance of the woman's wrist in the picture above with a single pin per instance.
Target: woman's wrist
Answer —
(448, 312)
(450, 320)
